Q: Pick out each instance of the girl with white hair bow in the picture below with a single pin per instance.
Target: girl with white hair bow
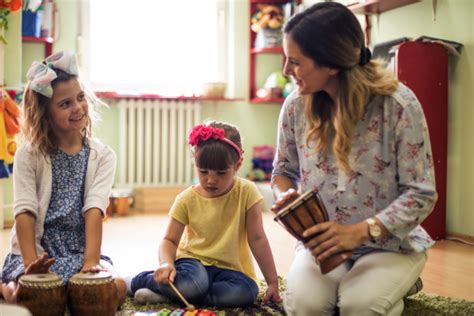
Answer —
(62, 180)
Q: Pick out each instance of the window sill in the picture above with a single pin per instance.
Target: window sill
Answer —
(147, 96)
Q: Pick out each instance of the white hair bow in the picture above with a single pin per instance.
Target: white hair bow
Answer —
(41, 75)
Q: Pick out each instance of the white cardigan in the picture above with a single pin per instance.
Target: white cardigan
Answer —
(32, 185)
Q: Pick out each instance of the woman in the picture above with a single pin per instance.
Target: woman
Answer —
(358, 136)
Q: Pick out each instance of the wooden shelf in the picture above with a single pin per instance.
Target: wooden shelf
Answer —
(262, 54)
(378, 6)
(38, 39)
(47, 41)
(269, 1)
(269, 50)
(267, 100)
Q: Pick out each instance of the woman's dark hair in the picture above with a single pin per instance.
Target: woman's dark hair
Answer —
(215, 154)
(328, 33)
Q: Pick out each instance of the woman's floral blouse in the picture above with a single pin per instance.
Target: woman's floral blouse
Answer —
(392, 169)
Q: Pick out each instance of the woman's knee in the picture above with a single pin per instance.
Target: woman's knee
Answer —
(367, 305)
(297, 301)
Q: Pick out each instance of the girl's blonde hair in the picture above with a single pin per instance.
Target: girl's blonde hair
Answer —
(331, 36)
(36, 122)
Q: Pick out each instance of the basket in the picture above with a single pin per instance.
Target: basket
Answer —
(214, 89)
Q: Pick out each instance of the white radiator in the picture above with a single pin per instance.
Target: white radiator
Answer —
(153, 142)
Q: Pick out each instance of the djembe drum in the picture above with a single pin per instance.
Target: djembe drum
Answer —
(92, 294)
(43, 294)
(304, 212)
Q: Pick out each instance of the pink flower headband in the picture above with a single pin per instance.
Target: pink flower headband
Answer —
(201, 133)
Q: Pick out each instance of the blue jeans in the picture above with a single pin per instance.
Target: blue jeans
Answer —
(203, 285)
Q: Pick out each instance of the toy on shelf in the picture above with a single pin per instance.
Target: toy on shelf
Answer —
(267, 23)
(262, 163)
(9, 127)
(276, 86)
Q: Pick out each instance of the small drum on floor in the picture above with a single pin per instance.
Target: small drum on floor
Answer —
(42, 294)
(92, 294)
(304, 212)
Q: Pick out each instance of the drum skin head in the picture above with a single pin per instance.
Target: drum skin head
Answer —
(92, 275)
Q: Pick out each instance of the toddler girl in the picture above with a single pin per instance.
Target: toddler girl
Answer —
(221, 218)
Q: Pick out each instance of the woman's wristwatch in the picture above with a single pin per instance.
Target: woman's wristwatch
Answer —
(375, 231)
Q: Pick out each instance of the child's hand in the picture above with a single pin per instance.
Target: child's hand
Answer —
(272, 294)
(92, 267)
(165, 273)
(40, 265)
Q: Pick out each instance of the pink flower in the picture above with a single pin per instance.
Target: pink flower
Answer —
(201, 133)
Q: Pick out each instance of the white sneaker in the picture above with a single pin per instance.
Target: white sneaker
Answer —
(128, 282)
(147, 296)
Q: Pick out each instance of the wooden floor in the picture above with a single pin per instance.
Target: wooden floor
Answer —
(132, 243)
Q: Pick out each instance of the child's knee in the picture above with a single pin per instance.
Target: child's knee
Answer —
(144, 279)
(194, 289)
(9, 291)
(237, 297)
(234, 294)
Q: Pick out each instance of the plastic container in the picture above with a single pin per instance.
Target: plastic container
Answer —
(31, 23)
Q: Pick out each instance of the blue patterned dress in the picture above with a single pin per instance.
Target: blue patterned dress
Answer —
(64, 226)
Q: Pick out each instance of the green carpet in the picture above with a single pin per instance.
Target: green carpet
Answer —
(420, 304)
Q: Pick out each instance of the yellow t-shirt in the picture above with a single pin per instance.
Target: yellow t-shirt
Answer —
(215, 232)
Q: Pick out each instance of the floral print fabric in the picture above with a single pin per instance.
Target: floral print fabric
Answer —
(64, 227)
(392, 169)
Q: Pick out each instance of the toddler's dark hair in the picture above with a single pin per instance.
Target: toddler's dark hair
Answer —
(218, 155)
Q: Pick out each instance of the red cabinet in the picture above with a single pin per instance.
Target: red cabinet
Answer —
(423, 67)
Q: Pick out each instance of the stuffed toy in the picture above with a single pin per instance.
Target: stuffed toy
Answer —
(9, 127)
(267, 17)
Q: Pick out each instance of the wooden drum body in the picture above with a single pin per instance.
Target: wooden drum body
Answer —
(92, 294)
(304, 212)
(42, 294)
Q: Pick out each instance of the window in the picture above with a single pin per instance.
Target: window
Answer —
(164, 47)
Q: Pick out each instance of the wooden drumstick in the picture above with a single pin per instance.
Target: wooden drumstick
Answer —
(189, 307)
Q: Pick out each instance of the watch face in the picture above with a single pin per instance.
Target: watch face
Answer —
(375, 231)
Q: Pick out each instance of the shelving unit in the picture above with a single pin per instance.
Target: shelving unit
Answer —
(262, 53)
(370, 7)
(378, 6)
(47, 41)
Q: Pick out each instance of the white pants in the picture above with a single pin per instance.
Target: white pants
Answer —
(374, 285)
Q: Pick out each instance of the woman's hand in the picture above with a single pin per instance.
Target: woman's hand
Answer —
(165, 273)
(91, 266)
(283, 199)
(331, 238)
(40, 265)
(272, 294)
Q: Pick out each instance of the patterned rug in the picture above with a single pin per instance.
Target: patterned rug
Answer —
(420, 304)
